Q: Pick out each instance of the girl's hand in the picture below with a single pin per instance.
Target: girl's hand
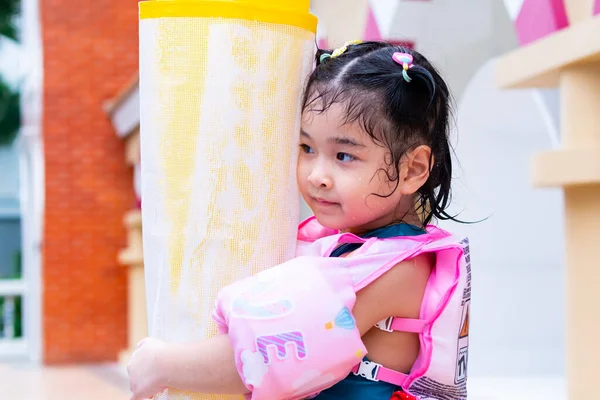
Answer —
(146, 369)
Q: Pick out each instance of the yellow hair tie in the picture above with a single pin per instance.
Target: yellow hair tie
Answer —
(340, 50)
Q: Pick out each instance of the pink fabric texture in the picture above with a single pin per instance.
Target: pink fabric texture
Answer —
(294, 334)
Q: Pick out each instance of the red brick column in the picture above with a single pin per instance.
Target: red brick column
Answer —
(90, 52)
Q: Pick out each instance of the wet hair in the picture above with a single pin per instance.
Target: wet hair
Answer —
(395, 113)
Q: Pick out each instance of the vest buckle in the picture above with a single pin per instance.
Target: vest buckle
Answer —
(368, 370)
(385, 324)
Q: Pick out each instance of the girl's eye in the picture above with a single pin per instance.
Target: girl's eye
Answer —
(306, 148)
(344, 157)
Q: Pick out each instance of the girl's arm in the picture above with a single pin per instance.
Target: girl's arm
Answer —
(209, 366)
(206, 367)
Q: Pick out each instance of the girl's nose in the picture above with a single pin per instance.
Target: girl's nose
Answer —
(320, 179)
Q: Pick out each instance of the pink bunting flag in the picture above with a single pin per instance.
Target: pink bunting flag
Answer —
(539, 18)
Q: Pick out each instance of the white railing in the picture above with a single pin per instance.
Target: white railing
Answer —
(12, 287)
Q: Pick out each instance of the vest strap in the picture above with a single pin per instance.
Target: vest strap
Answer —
(373, 371)
(411, 325)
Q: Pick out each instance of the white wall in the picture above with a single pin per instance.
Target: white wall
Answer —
(32, 173)
(517, 254)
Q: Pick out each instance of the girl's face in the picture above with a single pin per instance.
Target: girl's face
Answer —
(340, 171)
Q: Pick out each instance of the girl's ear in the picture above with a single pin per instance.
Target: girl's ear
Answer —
(414, 169)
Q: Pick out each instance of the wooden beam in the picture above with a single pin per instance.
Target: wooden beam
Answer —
(568, 167)
(539, 64)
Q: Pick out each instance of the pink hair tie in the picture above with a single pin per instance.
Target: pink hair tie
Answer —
(406, 61)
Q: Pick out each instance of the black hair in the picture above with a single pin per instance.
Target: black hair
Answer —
(410, 113)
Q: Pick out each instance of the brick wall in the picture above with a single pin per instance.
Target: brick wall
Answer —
(90, 52)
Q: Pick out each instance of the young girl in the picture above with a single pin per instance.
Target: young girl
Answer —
(375, 162)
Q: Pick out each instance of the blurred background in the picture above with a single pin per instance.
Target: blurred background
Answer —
(71, 264)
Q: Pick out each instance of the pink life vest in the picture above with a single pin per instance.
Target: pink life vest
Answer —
(294, 335)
